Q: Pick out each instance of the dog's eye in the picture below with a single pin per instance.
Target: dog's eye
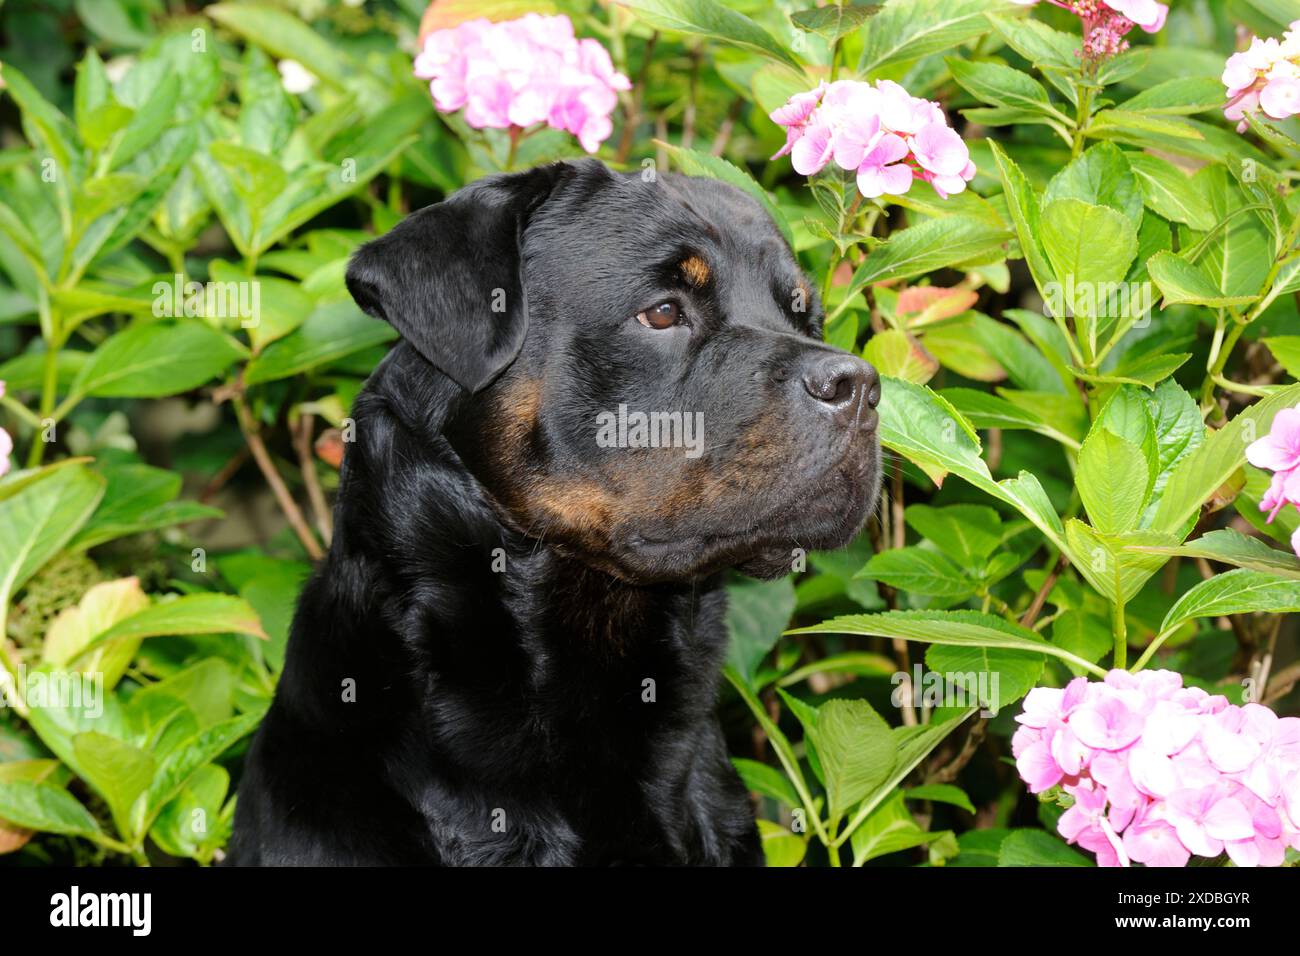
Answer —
(663, 316)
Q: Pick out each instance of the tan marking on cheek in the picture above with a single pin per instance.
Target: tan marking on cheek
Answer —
(581, 506)
(751, 462)
(512, 420)
(525, 405)
(696, 271)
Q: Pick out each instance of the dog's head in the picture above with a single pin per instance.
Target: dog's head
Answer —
(648, 389)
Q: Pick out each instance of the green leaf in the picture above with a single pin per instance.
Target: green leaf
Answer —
(780, 743)
(991, 678)
(1025, 209)
(1232, 547)
(1113, 479)
(757, 613)
(282, 306)
(332, 331)
(286, 36)
(710, 19)
(766, 780)
(1024, 364)
(179, 766)
(991, 411)
(1183, 283)
(832, 22)
(1179, 431)
(118, 771)
(781, 848)
(895, 353)
(969, 534)
(1198, 475)
(1181, 96)
(1090, 248)
(98, 113)
(271, 586)
(1286, 349)
(102, 606)
(941, 793)
(911, 746)
(858, 663)
(1113, 564)
(206, 687)
(979, 847)
(1124, 125)
(1235, 592)
(856, 751)
(188, 614)
(112, 20)
(256, 179)
(138, 498)
(1038, 848)
(910, 29)
(47, 128)
(266, 114)
(1064, 415)
(1236, 255)
(191, 824)
(155, 359)
(41, 518)
(1146, 371)
(147, 124)
(1100, 177)
(1003, 86)
(889, 829)
(953, 241)
(1169, 191)
(44, 807)
(1038, 43)
(1085, 635)
(924, 428)
(920, 571)
(959, 628)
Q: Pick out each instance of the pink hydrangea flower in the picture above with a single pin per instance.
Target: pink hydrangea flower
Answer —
(1159, 772)
(1279, 452)
(522, 73)
(1266, 75)
(880, 132)
(1105, 22)
(6, 443)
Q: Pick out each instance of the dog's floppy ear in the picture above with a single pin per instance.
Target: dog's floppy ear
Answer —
(448, 277)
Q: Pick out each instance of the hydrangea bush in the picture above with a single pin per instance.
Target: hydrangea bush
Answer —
(1066, 232)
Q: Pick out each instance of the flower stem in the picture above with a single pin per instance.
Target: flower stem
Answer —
(1120, 627)
(1082, 116)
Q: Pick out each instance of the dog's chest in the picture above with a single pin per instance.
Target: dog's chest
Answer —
(607, 754)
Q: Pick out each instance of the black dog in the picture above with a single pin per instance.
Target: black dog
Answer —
(512, 652)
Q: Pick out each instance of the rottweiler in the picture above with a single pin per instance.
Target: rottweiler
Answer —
(610, 390)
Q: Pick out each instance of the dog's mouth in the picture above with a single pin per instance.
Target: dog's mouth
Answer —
(826, 514)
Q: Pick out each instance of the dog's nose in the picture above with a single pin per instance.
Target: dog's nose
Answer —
(846, 386)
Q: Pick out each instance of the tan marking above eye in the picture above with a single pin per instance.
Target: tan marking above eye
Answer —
(695, 270)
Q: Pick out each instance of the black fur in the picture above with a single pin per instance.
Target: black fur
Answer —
(502, 590)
